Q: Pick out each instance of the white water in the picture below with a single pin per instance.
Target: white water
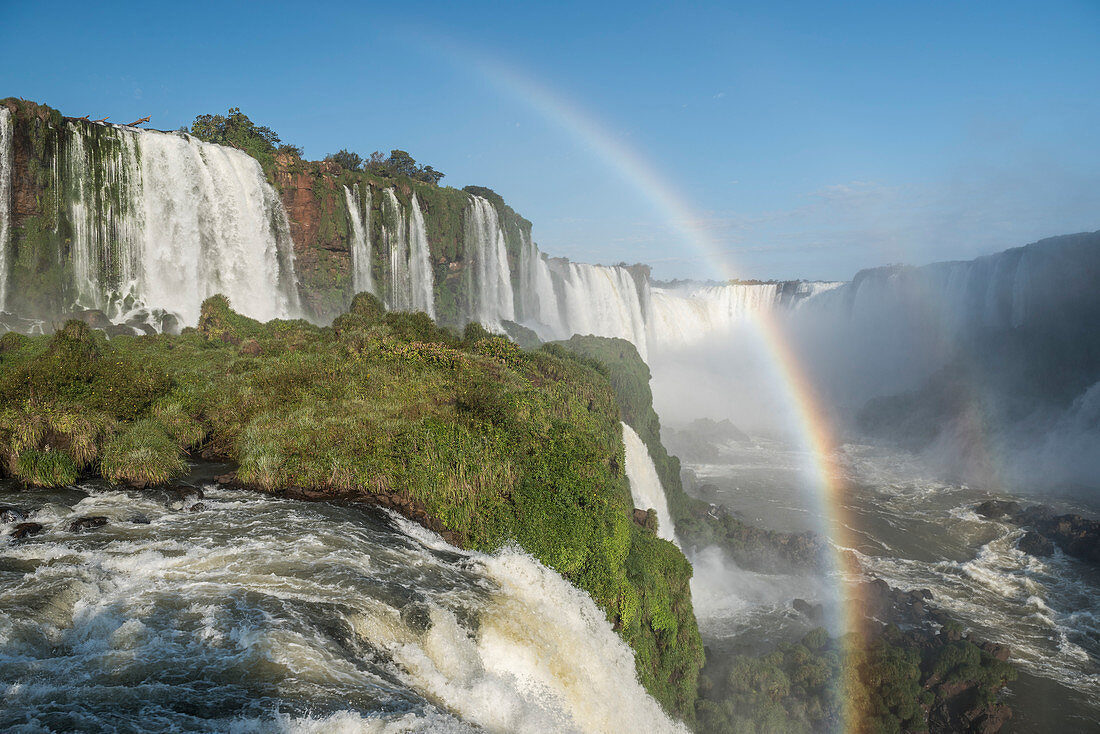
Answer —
(538, 300)
(5, 199)
(420, 263)
(492, 278)
(411, 282)
(249, 613)
(170, 220)
(691, 314)
(645, 485)
(602, 300)
(361, 277)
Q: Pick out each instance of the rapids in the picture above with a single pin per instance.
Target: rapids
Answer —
(915, 531)
(247, 613)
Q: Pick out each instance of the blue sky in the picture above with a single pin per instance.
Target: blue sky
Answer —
(810, 139)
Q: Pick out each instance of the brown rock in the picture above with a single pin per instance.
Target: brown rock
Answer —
(81, 524)
(26, 529)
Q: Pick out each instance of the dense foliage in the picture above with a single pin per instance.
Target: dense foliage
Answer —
(500, 444)
(400, 163)
(235, 129)
(890, 684)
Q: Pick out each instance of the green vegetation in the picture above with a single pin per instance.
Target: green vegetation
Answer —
(500, 444)
(345, 159)
(399, 163)
(697, 525)
(236, 130)
(887, 685)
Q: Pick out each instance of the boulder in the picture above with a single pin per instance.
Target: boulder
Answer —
(997, 509)
(26, 529)
(1035, 544)
(81, 524)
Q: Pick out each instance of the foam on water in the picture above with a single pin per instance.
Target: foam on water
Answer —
(645, 485)
(247, 613)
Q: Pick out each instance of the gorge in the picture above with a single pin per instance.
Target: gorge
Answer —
(334, 334)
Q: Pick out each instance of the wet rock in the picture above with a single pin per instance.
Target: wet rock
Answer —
(188, 492)
(119, 330)
(813, 612)
(10, 514)
(170, 324)
(417, 616)
(140, 520)
(26, 529)
(92, 317)
(1000, 652)
(197, 507)
(82, 524)
(997, 509)
(1035, 544)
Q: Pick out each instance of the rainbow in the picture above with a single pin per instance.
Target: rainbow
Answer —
(806, 410)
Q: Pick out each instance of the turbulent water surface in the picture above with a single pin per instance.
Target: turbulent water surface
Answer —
(915, 532)
(246, 613)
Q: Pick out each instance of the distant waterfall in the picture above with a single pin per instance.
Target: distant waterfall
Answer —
(420, 262)
(411, 283)
(5, 199)
(359, 215)
(645, 485)
(164, 220)
(492, 277)
(538, 300)
(686, 315)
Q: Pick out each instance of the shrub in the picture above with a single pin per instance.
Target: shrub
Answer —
(142, 452)
(45, 468)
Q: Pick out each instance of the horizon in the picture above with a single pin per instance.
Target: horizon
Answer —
(973, 135)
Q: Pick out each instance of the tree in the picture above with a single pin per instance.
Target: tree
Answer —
(236, 130)
(429, 174)
(402, 163)
(347, 159)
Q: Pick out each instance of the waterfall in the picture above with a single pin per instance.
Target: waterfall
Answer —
(255, 613)
(538, 300)
(690, 314)
(163, 220)
(102, 178)
(645, 485)
(604, 301)
(361, 278)
(5, 199)
(411, 283)
(492, 278)
(420, 262)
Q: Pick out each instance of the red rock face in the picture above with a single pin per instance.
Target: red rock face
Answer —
(24, 187)
(322, 256)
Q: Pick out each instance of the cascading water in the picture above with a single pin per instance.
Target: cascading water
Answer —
(168, 220)
(411, 282)
(249, 613)
(645, 485)
(359, 215)
(420, 262)
(538, 300)
(492, 278)
(687, 315)
(5, 199)
(602, 300)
